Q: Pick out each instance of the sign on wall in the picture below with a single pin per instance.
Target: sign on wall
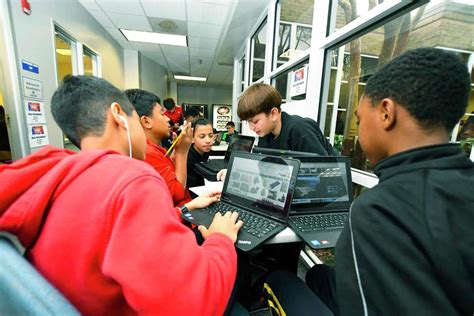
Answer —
(32, 88)
(298, 81)
(34, 112)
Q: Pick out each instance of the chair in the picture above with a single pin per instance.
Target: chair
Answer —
(23, 291)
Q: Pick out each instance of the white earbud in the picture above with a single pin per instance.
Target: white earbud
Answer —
(125, 123)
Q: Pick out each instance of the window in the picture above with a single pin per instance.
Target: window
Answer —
(73, 58)
(292, 83)
(259, 42)
(442, 24)
(293, 34)
(242, 74)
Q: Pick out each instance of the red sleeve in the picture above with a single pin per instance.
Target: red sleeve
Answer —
(165, 168)
(157, 261)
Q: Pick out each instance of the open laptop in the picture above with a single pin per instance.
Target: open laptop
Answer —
(239, 142)
(322, 198)
(260, 188)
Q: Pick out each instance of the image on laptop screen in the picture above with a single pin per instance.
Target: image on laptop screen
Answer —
(321, 183)
(239, 142)
(264, 184)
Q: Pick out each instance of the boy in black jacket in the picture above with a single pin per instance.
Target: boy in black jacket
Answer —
(407, 248)
(260, 107)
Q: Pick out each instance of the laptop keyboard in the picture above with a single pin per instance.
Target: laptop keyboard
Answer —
(255, 225)
(311, 223)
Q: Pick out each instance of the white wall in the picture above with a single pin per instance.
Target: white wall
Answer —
(153, 77)
(33, 38)
(201, 95)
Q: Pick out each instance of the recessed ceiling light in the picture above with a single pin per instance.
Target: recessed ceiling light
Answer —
(189, 78)
(155, 38)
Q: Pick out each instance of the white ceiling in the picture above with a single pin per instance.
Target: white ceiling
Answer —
(216, 30)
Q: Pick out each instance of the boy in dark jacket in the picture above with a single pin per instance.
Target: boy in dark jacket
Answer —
(260, 107)
(407, 248)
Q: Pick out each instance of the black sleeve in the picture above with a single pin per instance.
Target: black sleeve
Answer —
(308, 137)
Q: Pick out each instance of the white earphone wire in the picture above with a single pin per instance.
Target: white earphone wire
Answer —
(129, 138)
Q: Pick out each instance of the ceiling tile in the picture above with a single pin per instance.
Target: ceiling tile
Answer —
(116, 34)
(89, 4)
(201, 42)
(146, 47)
(178, 60)
(174, 50)
(171, 9)
(125, 44)
(221, 2)
(156, 56)
(204, 30)
(101, 18)
(169, 26)
(130, 22)
(121, 6)
(202, 53)
(199, 12)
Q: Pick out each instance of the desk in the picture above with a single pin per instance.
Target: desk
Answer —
(219, 150)
(287, 235)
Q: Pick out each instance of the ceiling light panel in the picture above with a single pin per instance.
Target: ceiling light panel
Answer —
(156, 38)
(189, 78)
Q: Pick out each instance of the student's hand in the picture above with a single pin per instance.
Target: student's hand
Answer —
(204, 200)
(221, 175)
(226, 224)
(183, 144)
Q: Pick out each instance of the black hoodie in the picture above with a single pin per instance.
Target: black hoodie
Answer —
(408, 248)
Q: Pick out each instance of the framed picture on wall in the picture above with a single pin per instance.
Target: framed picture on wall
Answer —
(221, 114)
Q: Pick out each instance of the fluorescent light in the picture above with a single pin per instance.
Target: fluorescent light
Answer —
(189, 78)
(156, 38)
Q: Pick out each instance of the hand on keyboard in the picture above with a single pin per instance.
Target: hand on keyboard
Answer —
(204, 200)
(226, 224)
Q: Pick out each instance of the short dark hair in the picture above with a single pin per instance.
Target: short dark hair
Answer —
(169, 103)
(201, 122)
(143, 101)
(258, 98)
(191, 111)
(80, 105)
(432, 84)
(230, 123)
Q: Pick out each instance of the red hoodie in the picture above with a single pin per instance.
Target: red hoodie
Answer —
(111, 241)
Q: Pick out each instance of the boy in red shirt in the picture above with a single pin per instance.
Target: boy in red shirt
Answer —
(156, 127)
(101, 226)
(174, 113)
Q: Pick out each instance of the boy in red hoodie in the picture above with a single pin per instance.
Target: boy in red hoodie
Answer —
(101, 227)
(156, 126)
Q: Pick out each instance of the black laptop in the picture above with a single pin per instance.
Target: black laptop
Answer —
(260, 188)
(322, 199)
(239, 142)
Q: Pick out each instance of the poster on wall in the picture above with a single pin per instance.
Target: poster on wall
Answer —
(298, 81)
(38, 135)
(32, 88)
(34, 112)
(221, 114)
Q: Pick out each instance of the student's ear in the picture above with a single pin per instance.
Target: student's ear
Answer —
(145, 121)
(274, 112)
(388, 113)
(118, 114)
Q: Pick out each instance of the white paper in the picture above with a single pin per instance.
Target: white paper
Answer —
(38, 135)
(34, 112)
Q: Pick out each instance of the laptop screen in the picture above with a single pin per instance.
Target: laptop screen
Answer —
(263, 183)
(239, 142)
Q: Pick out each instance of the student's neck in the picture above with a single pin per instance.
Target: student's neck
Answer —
(276, 131)
(101, 143)
(152, 138)
(414, 140)
(198, 150)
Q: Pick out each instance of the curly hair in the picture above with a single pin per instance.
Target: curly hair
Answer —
(432, 84)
